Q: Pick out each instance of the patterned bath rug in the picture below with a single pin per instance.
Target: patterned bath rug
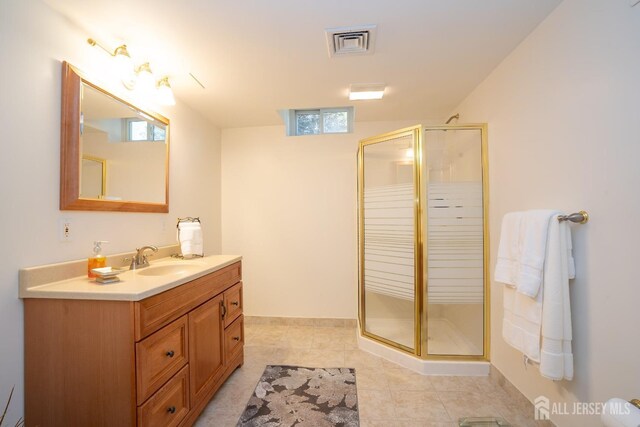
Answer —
(303, 397)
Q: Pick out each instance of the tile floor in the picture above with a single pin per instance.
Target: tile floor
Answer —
(388, 395)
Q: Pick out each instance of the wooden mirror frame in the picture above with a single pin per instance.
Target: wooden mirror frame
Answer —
(70, 153)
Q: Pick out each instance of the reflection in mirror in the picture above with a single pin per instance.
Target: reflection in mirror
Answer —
(100, 129)
(93, 178)
(132, 142)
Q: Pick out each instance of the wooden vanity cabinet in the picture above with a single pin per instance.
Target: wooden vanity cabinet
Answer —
(154, 362)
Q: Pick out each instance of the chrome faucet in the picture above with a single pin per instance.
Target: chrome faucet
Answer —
(139, 260)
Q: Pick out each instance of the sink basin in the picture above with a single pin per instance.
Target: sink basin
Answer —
(171, 269)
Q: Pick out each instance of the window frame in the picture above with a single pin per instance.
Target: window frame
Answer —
(292, 125)
(150, 130)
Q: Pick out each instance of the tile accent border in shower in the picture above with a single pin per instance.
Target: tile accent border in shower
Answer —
(300, 321)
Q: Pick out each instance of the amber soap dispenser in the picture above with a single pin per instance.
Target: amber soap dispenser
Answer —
(97, 260)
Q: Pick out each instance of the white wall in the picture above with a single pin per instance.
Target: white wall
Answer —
(564, 132)
(33, 41)
(289, 207)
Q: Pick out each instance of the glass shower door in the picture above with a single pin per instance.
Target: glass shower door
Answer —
(454, 224)
(388, 209)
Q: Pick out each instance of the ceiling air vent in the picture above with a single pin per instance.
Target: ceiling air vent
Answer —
(358, 40)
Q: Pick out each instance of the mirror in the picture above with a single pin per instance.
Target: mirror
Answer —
(114, 156)
(93, 177)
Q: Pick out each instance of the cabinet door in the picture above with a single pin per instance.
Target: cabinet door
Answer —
(206, 334)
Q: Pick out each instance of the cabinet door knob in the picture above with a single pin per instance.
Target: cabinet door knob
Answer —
(170, 353)
(171, 409)
(236, 303)
(236, 338)
(223, 308)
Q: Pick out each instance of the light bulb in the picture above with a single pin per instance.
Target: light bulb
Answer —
(165, 94)
(409, 153)
(124, 65)
(145, 82)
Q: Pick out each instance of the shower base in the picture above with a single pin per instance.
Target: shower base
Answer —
(444, 339)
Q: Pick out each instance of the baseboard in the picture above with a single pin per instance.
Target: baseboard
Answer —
(501, 381)
(300, 321)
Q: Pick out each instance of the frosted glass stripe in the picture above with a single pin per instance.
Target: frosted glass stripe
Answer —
(455, 243)
(389, 236)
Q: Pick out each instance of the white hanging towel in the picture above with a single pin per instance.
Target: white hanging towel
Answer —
(507, 265)
(538, 325)
(523, 241)
(190, 238)
(556, 360)
(534, 235)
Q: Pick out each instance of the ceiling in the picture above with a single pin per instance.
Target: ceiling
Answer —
(255, 57)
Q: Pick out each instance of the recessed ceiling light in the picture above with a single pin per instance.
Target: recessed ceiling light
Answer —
(359, 92)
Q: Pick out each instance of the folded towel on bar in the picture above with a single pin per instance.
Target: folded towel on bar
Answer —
(538, 325)
(509, 249)
(556, 357)
(190, 238)
(522, 321)
(533, 229)
(523, 241)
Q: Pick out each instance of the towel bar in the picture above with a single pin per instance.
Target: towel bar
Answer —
(187, 219)
(578, 217)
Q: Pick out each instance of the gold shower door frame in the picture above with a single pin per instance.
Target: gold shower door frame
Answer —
(415, 133)
(420, 263)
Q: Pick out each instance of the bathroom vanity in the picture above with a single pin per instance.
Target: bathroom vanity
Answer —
(150, 350)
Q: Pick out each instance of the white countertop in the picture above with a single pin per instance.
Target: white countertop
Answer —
(134, 285)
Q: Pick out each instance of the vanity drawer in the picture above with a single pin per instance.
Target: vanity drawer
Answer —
(169, 405)
(232, 303)
(160, 356)
(234, 337)
(154, 312)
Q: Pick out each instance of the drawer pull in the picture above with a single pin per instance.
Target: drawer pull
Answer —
(236, 303)
(236, 338)
(171, 409)
(170, 353)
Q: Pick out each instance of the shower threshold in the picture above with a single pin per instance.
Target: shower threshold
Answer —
(422, 366)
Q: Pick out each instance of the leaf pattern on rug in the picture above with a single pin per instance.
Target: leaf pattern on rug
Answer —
(262, 389)
(333, 386)
(303, 397)
(297, 377)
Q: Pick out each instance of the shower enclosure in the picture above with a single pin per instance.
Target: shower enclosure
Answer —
(423, 241)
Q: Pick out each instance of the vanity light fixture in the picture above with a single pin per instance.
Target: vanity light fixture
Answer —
(123, 61)
(141, 77)
(359, 92)
(165, 94)
(145, 81)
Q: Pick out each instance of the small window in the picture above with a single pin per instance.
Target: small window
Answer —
(307, 122)
(142, 130)
(319, 121)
